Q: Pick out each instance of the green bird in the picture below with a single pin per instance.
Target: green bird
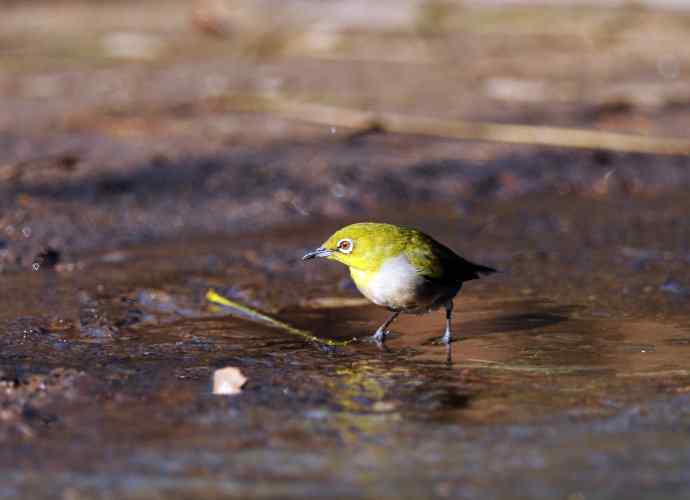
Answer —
(401, 269)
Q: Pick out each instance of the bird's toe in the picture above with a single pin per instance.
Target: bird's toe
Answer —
(442, 340)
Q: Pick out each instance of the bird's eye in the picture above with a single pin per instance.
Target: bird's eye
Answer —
(345, 246)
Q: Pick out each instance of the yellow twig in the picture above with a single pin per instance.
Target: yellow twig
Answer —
(215, 298)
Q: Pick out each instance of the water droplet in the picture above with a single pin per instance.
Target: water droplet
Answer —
(26, 232)
(333, 130)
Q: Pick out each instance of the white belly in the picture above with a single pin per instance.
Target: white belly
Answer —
(397, 285)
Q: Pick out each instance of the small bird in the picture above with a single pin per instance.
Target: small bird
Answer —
(401, 269)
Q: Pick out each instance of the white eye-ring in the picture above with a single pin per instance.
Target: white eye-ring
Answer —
(345, 245)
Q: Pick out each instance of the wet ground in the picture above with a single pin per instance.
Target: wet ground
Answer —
(570, 375)
(129, 189)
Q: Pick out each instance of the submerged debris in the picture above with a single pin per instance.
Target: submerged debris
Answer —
(674, 287)
(333, 302)
(48, 258)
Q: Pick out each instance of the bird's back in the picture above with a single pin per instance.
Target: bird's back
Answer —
(438, 263)
(402, 268)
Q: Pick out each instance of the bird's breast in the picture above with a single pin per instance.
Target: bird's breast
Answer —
(396, 285)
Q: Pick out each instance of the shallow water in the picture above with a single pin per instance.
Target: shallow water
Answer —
(107, 363)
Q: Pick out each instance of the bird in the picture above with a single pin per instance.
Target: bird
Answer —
(400, 268)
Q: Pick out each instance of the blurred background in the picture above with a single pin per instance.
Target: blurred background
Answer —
(171, 114)
(152, 150)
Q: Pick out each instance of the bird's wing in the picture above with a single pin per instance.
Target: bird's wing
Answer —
(440, 264)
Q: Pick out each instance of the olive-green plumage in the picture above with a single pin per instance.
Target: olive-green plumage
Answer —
(432, 259)
(400, 268)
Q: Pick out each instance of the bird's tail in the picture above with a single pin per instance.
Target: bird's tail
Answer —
(476, 271)
(484, 269)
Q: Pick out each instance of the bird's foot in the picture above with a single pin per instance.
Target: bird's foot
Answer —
(444, 340)
(380, 335)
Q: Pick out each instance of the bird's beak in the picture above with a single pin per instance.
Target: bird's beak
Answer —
(319, 252)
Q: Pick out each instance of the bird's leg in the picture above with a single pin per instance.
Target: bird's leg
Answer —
(447, 335)
(380, 335)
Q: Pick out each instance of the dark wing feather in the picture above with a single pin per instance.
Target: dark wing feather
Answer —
(440, 264)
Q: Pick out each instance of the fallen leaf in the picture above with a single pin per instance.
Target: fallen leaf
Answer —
(228, 381)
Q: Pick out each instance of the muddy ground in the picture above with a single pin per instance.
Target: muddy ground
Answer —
(130, 185)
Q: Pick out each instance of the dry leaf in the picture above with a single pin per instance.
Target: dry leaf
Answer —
(228, 381)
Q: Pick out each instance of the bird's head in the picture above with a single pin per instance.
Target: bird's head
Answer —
(363, 246)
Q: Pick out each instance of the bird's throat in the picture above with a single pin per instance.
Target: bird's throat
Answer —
(361, 278)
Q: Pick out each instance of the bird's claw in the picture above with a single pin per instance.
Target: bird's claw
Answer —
(443, 340)
(380, 336)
